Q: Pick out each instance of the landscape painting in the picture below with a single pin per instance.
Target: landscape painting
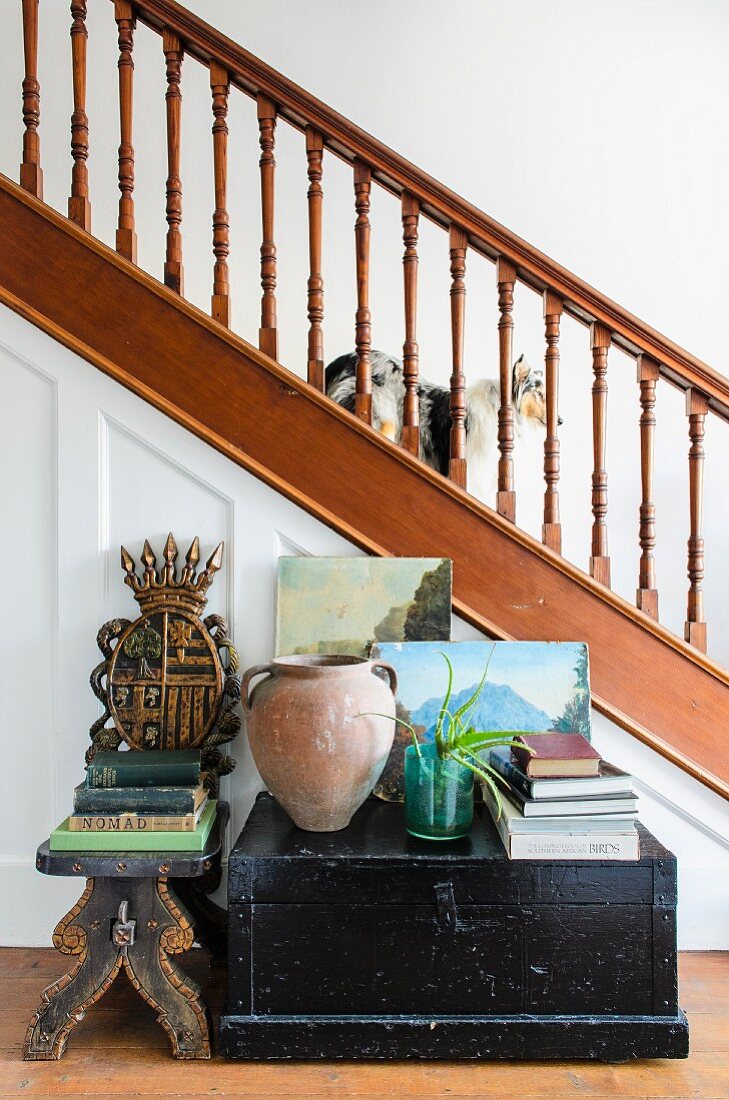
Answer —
(346, 605)
(531, 687)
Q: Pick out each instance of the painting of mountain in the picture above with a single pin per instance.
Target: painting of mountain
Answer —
(531, 686)
(345, 605)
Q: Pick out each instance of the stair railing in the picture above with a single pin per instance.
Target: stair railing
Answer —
(469, 229)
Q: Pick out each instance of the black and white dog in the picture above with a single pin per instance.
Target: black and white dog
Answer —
(482, 407)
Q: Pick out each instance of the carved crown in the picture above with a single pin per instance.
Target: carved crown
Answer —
(164, 587)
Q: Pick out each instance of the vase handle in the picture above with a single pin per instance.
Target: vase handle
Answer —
(257, 670)
(392, 675)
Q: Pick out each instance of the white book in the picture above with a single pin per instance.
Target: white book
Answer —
(614, 845)
(515, 821)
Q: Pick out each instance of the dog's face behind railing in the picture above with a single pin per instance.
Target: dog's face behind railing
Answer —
(530, 392)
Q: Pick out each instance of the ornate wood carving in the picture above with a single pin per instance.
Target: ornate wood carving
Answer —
(165, 683)
(79, 205)
(173, 271)
(697, 406)
(363, 330)
(31, 173)
(220, 305)
(505, 495)
(267, 336)
(647, 593)
(410, 355)
(600, 560)
(458, 243)
(552, 528)
(158, 928)
(315, 285)
(126, 236)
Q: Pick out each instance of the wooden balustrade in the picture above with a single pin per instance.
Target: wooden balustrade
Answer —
(697, 406)
(315, 285)
(267, 335)
(410, 353)
(219, 87)
(505, 495)
(363, 330)
(599, 560)
(173, 270)
(561, 292)
(647, 594)
(31, 173)
(79, 205)
(552, 527)
(126, 236)
(457, 469)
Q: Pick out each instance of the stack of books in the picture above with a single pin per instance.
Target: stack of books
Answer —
(563, 801)
(139, 802)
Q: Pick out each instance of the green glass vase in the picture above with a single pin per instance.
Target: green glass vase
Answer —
(438, 795)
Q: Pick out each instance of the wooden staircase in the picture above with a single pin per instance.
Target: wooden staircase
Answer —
(284, 430)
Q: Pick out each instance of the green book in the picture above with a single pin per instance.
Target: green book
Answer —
(140, 768)
(141, 800)
(63, 840)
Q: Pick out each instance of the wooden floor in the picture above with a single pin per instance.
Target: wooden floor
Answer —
(120, 1052)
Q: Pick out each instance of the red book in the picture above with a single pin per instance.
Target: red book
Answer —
(567, 755)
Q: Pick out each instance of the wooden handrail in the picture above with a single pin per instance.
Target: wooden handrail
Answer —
(437, 202)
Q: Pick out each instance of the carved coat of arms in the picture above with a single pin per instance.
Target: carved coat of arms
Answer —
(166, 687)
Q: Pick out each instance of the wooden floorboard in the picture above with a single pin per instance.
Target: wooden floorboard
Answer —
(119, 1053)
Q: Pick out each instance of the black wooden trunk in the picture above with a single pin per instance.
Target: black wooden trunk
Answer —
(368, 943)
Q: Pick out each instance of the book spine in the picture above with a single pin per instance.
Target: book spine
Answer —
(512, 775)
(131, 823)
(142, 800)
(133, 774)
(605, 846)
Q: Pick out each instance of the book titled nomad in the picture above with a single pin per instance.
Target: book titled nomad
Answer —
(64, 840)
(135, 823)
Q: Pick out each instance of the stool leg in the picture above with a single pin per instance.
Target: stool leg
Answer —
(83, 933)
(160, 981)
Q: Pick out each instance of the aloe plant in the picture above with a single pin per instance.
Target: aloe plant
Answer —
(457, 739)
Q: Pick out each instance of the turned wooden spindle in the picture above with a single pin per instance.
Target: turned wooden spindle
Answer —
(410, 362)
(267, 334)
(315, 284)
(79, 206)
(646, 597)
(173, 271)
(600, 560)
(363, 330)
(505, 495)
(697, 406)
(552, 527)
(458, 242)
(126, 236)
(219, 87)
(31, 173)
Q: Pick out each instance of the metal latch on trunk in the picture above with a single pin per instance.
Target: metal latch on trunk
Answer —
(445, 904)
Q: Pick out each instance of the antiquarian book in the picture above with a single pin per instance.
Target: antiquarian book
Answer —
(516, 822)
(565, 845)
(132, 823)
(137, 800)
(610, 781)
(556, 754)
(163, 768)
(574, 807)
(64, 840)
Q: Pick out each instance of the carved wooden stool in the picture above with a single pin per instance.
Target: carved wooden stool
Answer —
(130, 918)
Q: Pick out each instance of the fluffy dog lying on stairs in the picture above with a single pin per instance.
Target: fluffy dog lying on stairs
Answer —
(482, 407)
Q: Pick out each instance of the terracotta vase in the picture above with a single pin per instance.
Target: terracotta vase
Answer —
(314, 740)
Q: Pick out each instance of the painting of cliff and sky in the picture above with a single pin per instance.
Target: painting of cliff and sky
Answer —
(346, 605)
(531, 687)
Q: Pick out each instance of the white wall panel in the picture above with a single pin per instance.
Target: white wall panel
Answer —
(84, 466)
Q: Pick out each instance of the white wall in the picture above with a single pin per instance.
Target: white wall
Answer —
(593, 130)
